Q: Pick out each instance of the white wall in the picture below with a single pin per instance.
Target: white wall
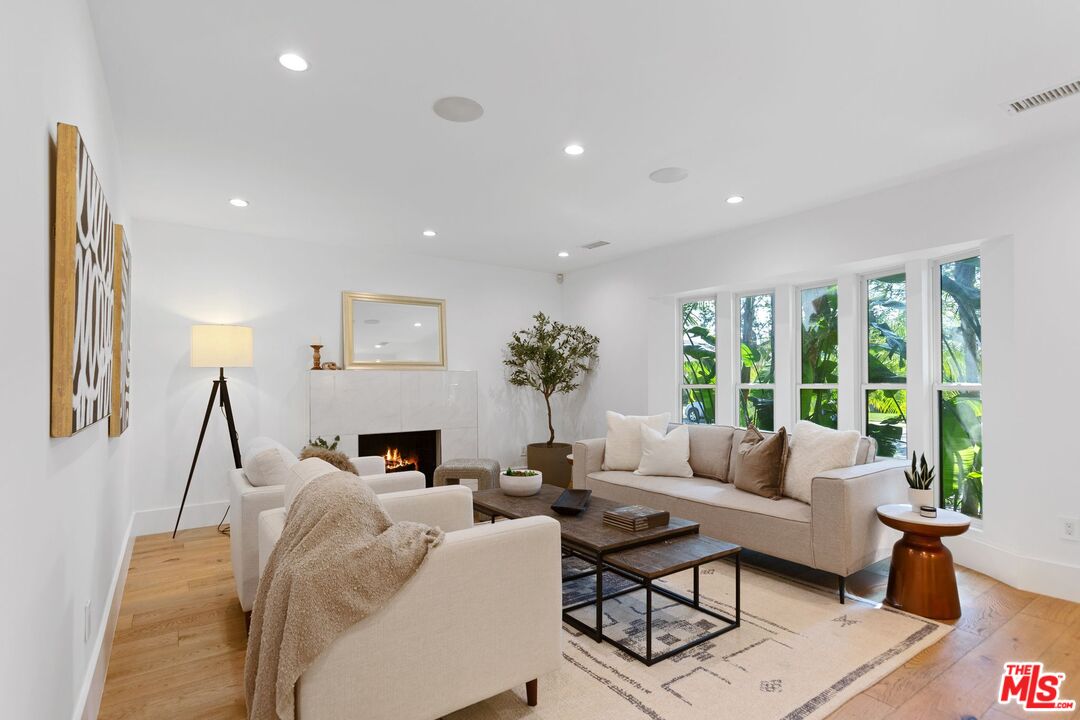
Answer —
(66, 502)
(290, 292)
(1019, 208)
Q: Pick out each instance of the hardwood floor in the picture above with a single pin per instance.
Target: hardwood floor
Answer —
(179, 646)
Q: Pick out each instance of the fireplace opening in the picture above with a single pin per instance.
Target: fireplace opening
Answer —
(403, 451)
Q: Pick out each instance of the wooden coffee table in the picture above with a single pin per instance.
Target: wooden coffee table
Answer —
(922, 579)
(640, 557)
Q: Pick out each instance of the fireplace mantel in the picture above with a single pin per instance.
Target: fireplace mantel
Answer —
(350, 403)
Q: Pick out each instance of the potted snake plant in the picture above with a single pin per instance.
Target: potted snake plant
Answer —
(920, 481)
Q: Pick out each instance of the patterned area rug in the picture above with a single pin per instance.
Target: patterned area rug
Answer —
(798, 654)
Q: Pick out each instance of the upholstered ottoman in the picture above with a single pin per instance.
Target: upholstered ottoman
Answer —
(483, 471)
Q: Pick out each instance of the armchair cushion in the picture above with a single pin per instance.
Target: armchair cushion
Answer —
(369, 465)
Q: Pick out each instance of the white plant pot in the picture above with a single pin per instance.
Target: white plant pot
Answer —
(521, 486)
(918, 498)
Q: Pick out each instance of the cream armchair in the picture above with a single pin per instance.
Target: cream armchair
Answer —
(485, 605)
(247, 501)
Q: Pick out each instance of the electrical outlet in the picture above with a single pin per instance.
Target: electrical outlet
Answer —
(1070, 528)
(86, 622)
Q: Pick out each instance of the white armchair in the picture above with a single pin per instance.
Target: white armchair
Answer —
(487, 602)
(247, 501)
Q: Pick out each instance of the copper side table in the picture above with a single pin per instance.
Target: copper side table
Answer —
(922, 579)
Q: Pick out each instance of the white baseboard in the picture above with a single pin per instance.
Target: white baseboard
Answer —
(159, 520)
(1027, 573)
(88, 701)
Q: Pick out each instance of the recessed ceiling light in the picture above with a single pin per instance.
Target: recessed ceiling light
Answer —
(735, 199)
(669, 175)
(573, 149)
(429, 233)
(294, 62)
(458, 109)
(563, 253)
(417, 324)
(238, 202)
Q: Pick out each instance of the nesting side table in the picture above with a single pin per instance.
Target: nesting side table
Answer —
(922, 579)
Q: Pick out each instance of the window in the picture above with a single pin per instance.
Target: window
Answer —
(959, 384)
(885, 379)
(755, 386)
(698, 381)
(819, 361)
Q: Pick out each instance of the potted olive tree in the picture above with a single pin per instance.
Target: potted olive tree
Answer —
(550, 357)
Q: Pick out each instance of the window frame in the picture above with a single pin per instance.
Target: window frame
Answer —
(797, 321)
(864, 345)
(936, 384)
(715, 386)
(736, 366)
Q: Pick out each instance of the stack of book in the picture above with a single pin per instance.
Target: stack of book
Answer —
(635, 518)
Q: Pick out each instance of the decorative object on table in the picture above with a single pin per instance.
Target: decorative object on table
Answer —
(928, 511)
(335, 457)
(392, 332)
(219, 346)
(316, 357)
(572, 502)
(922, 579)
(920, 484)
(321, 442)
(550, 357)
(636, 518)
(330, 366)
(521, 482)
(120, 417)
(82, 275)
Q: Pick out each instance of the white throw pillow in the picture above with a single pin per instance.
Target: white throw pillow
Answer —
(622, 451)
(267, 468)
(815, 449)
(667, 455)
(261, 443)
(302, 473)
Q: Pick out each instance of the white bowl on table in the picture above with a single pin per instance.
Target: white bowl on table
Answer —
(521, 485)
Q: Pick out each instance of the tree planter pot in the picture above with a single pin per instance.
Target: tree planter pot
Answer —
(551, 461)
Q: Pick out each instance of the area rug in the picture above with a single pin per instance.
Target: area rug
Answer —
(798, 654)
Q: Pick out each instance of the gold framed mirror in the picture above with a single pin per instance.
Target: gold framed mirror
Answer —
(392, 332)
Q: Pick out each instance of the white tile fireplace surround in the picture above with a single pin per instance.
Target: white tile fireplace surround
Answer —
(351, 403)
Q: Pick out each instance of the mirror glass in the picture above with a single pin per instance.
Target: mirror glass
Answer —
(388, 331)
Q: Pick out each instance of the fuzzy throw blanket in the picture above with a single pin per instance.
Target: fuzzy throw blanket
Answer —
(340, 558)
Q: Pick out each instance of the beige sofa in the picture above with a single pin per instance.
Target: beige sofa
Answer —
(837, 531)
(481, 616)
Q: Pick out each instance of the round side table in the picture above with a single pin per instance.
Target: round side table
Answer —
(922, 579)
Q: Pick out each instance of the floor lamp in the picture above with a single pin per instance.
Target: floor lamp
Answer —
(217, 346)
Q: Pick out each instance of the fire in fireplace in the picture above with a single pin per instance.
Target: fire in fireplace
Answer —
(417, 450)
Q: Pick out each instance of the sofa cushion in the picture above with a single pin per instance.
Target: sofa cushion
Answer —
(623, 448)
(665, 454)
(867, 452)
(302, 473)
(710, 450)
(815, 449)
(760, 466)
(708, 492)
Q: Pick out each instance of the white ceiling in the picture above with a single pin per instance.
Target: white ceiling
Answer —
(792, 104)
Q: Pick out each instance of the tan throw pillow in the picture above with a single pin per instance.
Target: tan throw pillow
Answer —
(760, 469)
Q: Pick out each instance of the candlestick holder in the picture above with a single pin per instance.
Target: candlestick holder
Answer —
(316, 358)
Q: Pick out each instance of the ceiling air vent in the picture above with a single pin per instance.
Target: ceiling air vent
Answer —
(597, 244)
(1044, 98)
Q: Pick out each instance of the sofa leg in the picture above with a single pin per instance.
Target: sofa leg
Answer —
(841, 583)
(530, 692)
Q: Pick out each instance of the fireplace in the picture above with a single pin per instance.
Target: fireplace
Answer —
(417, 450)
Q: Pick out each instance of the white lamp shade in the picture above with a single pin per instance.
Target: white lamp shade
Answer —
(221, 346)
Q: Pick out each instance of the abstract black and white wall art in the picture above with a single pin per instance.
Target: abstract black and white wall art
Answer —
(121, 361)
(83, 276)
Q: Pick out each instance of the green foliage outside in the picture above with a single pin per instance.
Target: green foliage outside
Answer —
(699, 361)
(960, 428)
(757, 342)
(820, 365)
(886, 313)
